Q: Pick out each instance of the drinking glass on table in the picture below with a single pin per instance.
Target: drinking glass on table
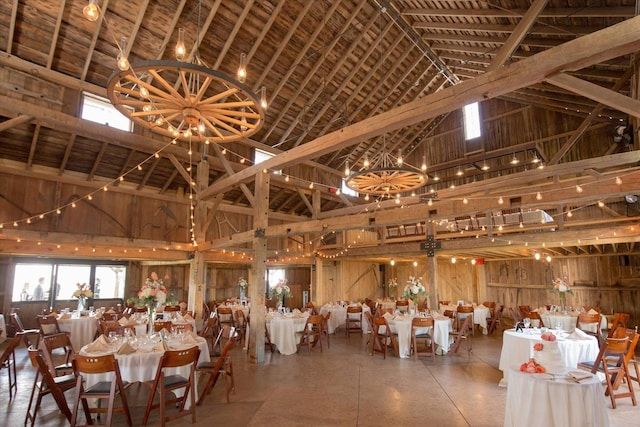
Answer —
(527, 322)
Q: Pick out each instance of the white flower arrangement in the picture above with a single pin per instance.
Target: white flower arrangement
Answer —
(242, 283)
(153, 292)
(414, 288)
(280, 289)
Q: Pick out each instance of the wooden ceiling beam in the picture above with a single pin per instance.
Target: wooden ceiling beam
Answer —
(518, 34)
(611, 42)
(566, 12)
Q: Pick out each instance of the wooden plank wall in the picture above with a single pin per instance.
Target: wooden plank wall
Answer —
(609, 282)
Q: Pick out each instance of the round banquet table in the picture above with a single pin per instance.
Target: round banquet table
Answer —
(141, 366)
(401, 325)
(81, 330)
(283, 328)
(536, 401)
(517, 348)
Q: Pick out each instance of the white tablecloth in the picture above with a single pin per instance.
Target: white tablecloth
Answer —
(3, 329)
(339, 317)
(142, 366)
(282, 330)
(534, 401)
(401, 325)
(81, 330)
(517, 348)
(568, 321)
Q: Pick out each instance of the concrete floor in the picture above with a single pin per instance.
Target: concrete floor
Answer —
(343, 386)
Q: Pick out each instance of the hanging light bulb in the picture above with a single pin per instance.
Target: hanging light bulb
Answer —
(181, 49)
(424, 164)
(618, 180)
(535, 159)
(242, 68)
(579, 189)
(399, 157)
(548, 258)
(514, 160)
(485, 166)
(366, 161)
(122, 61)
(538, 196)
(263, 97)
(453, 260)
(459, 172)
(243, 119)
(537, 256)
(347, 171)
(91, 11)
(144, 92)
(500, 200)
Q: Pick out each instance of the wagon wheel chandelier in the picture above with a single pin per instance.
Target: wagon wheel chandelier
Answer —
(385, 175)
(183, 98)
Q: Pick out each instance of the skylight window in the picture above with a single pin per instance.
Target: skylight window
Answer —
(471, 121)
(260, 156)
(100, 110)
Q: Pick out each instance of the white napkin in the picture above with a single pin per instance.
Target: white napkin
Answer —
(161, 346)
(580, 376)
(592, 311)
(577, 334)
(126, 349)
(190, 339)
(99, 345)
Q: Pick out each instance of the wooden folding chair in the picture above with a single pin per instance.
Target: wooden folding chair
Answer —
(353, 321)
(214, 370)
(27, 334)
(84, 366)
(584, 322)
(325, 328)
(383, 337)
(8, 360)
(496, 319)
(422, 323)
(402, 305)
(164, 383)
(48, 325)
(311, 335)
(44, 383)
(464, 334)
(58, 346)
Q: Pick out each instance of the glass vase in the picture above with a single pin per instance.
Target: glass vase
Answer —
(82, 304)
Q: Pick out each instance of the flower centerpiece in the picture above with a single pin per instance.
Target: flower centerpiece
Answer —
(414, 289)
(152, 293)
(280, 290)
(83, 293)
(243, 285)
(562, 288)
(393, 285)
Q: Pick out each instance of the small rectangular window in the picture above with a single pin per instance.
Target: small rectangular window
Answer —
(471, 121)
(100, 110)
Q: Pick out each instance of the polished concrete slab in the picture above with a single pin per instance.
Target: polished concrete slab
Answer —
(342, 386)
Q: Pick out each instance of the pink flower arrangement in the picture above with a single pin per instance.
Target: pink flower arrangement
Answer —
(153, 291)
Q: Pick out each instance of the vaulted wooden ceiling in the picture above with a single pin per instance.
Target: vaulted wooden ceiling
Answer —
(327, 66)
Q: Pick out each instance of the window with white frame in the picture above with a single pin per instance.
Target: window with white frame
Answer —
(100, 110)
(471, 114)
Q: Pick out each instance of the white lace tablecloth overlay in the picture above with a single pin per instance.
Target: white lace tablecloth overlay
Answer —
(536, 401)
(141, 366)
(81, 330)
(402, 326)
(517, 348)
(282, 330)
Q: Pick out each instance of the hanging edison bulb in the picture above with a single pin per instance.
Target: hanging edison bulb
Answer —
(424, 164)
(400, 158)
(123, 62)
(263, 97)
(91, 11)
(242, 68)
(347, 171)
(243, 119)
(181, 48)
(366, 161)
